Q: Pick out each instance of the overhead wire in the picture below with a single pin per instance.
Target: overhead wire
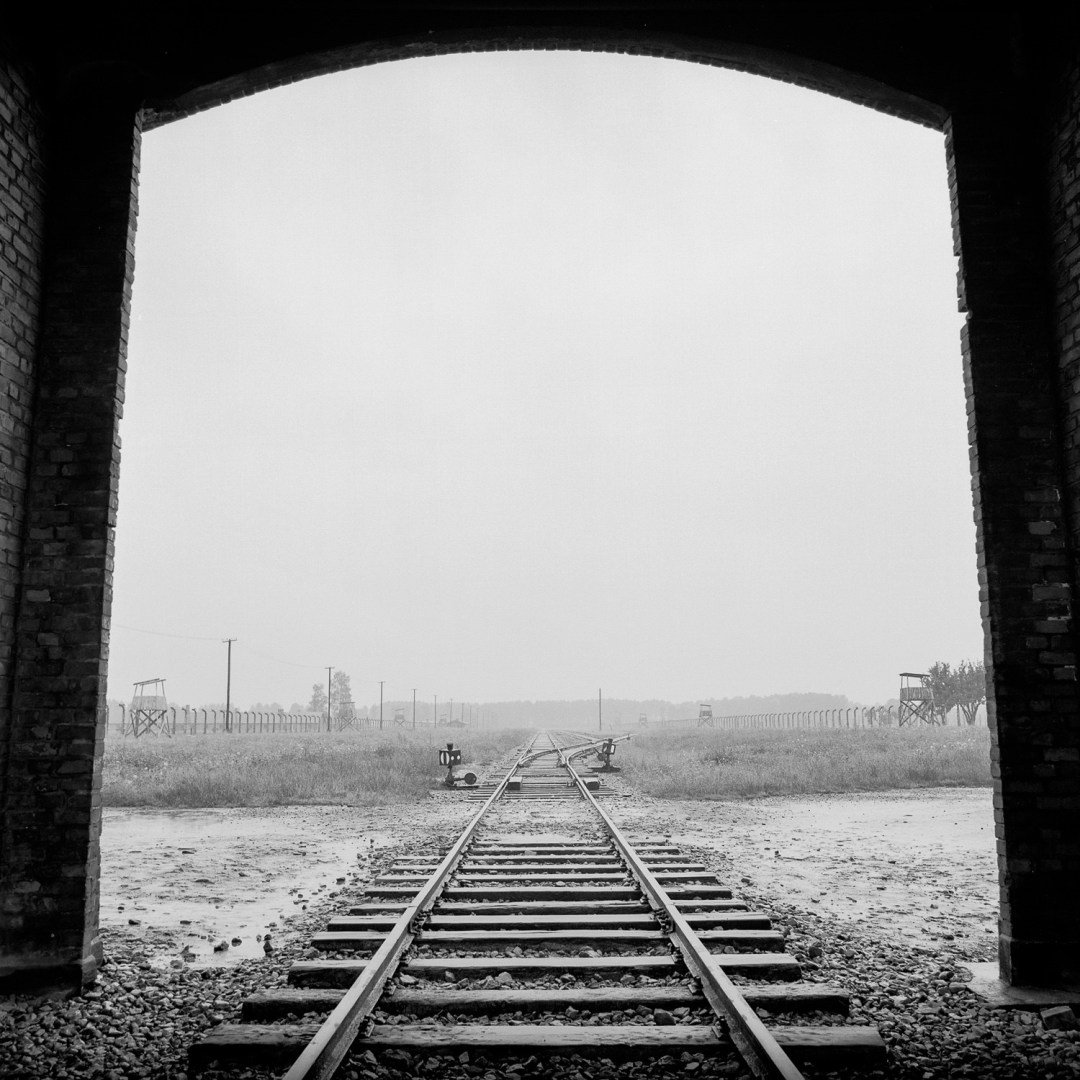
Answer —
(240, 644)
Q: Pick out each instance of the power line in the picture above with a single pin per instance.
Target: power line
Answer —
(243, 646)
(278, 660)
(159, 633)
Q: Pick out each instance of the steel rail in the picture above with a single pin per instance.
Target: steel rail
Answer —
(532, 755)
(579, 751)
(763, 1055)
(345, 1024)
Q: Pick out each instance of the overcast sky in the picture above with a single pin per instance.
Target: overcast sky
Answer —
(523, 374)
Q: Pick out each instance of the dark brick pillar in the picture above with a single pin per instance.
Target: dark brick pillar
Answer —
(1025, 547)
(49, 859)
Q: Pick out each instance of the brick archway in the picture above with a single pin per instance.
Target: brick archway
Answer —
(1007, 95)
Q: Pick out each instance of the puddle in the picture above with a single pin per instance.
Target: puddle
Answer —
(186, 881)
(915, 865)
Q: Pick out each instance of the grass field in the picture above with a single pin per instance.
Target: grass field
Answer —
(362, 768)
(707, 764)
(373, 768)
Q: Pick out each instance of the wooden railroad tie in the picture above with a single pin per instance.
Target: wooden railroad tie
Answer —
(280, 1044)
(590, 896)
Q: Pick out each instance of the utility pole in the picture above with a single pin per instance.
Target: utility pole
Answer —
(329, 673)
(414, 708)
(600, 709)
(228, 684)
(381, 681)
(435, 714)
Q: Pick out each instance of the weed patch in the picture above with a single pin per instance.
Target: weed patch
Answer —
(710, 764)
(364, 767)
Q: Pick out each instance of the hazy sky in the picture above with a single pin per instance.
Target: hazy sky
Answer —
(518, 375)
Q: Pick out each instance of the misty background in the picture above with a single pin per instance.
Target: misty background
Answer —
(508, 377)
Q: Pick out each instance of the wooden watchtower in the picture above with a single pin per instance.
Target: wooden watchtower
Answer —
(704, 716)
(346, 715)
(916, 700)
(148, 714)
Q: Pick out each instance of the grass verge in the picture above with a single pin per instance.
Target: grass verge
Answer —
(357, 768)
(706, 764)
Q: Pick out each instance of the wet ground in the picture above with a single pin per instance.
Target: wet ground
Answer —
(914, 866)
(190, 881)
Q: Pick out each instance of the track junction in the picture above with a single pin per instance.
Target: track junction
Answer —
(543, 909)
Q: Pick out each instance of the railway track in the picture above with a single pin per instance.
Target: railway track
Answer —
(544, 933)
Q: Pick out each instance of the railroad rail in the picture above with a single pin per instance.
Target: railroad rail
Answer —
(565, 918)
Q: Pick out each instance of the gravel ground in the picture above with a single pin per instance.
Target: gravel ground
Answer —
(140, 1018)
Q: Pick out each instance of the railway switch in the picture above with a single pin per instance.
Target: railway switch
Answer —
(606, 750)
(450, 757)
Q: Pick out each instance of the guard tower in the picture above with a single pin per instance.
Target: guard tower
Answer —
(643, 720)
(399, 716)
(149, 708)
(346, 716)
(704, 716)
(916, 700)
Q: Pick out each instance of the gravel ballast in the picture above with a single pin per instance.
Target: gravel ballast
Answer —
(140, 1018)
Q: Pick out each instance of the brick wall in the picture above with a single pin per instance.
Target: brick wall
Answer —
(1064, 205)
(21, 245)
(1058, 750)
(1022, 458)
(49, 861)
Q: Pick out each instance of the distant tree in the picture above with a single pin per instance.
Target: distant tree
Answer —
(268, 707)
(970, 688)
(943, 684)
(317, 704)
(297, 709)
(340, 693)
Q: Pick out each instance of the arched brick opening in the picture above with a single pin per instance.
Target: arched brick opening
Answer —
(1007, 95)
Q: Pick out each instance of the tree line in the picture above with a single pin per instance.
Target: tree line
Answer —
(962, 688)
(341, 701)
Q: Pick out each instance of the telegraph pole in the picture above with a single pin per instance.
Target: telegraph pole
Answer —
(414, 708)
(381, 681)
(228, 684)
(435, 714)
(329, 673)
(600, 709)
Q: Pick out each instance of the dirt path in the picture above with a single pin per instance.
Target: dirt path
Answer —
(914, 865)
(192, 879)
